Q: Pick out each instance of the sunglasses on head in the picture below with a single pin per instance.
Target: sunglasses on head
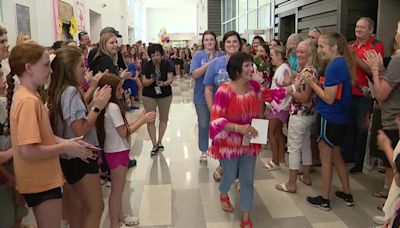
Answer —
(315, 29)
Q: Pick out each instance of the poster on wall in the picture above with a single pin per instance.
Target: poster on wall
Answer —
(80, 14)
(23, 19)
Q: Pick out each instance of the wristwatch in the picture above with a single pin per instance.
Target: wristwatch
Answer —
(96, 109)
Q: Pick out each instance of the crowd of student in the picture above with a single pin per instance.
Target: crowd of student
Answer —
(62, 121)
(335, 93)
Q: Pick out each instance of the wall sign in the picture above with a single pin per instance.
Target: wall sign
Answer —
(23, 19)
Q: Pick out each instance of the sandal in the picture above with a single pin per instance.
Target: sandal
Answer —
(160, 146)
(381, 194)
(246, 224)
(283, 188)
(271, 166)
(380, 207)
(154, 151)
(218, 174)
(226, 204)
(131, 220)
(308, 183)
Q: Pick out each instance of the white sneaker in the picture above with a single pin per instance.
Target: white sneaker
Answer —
(379, 220)
(237, 185)
(203, 159)
(131, 220)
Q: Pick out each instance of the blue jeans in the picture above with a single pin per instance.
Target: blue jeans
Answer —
(356, 140)
(203, 120)
(244, 166)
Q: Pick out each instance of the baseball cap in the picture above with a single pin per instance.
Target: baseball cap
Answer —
(110, 30)
(81, 34)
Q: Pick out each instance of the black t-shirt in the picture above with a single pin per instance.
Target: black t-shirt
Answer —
(149, 71)
(103, 63)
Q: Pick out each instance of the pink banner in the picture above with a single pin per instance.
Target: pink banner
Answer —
(55, 20)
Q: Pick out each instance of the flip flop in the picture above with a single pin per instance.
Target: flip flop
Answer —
(271, 166)
(283, 188)
(308, 183)
(381, 195)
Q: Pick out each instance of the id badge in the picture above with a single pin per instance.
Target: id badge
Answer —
(246, 140)
(158, 90)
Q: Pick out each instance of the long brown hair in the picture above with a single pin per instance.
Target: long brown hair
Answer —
(63, 66)
(113, 81)
(339, 40)
(136, 56)
(209, 32)
(20, 56)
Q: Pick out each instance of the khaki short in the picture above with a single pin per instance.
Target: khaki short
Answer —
(163, 104)
(9, 210)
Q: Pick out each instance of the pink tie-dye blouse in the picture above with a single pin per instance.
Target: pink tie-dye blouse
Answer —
(230, 107)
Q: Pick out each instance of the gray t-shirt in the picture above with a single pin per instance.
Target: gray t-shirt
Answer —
(5, 141)
(73, 108)
(391, 106)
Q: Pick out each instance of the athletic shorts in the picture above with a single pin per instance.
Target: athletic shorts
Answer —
(34, 199)
(116, 159)
(75, 169)
(332, 134)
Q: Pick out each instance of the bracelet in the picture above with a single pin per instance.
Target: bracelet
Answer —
(235, 127)
(294, 88)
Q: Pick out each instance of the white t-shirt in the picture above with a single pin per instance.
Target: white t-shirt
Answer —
(279, 77)
(112, 119)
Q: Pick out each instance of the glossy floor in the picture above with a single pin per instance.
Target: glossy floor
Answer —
(174, 190)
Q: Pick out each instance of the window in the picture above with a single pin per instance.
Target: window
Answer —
(264, 17)
(242, 7)
(263, 2)
(252, 20)
(242, 24)
(252, 4)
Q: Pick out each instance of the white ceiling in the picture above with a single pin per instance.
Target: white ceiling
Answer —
(169, 3)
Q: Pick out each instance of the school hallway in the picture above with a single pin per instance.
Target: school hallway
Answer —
(174, 190)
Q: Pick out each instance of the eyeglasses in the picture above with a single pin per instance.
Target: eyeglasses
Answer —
(315, 29)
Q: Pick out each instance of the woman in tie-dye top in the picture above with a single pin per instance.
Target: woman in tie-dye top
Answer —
(236, 103)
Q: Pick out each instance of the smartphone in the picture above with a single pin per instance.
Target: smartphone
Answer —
(96, 149)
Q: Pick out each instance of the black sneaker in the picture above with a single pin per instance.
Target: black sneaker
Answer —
(132, 163)
(154, 151)
(348, 198)
(321, 203)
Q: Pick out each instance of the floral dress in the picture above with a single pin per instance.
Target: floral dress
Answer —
(304, 109)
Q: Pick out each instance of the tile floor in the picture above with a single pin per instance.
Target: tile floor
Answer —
(174, 190)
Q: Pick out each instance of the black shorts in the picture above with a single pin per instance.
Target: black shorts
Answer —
(75, 169)
(332, 134)
(34, 199)
(394, 138)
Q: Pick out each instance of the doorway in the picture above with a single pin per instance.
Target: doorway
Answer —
(95, 26)
(287, 26)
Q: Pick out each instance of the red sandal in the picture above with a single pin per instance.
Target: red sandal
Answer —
(226, 204)
(246, 224)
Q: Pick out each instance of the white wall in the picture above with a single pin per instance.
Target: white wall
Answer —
(202, 16)
(175, 20)
(114, 13)
(10, 18)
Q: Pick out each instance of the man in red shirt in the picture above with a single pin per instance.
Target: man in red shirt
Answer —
(361, 103)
